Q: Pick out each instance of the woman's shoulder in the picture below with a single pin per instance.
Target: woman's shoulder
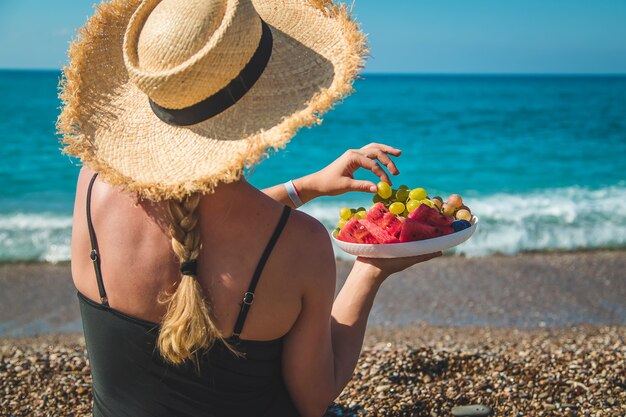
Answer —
(310, 245)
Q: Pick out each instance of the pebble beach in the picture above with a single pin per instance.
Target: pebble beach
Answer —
(421, 371)
(531, 335)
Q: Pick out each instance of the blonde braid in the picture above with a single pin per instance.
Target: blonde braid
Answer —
(187, 325)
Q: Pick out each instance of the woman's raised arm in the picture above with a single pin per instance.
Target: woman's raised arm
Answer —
(338, 177)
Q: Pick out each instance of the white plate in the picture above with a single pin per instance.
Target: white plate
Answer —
(400, 250)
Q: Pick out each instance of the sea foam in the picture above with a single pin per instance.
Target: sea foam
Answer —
(555, 219)
(35, 237)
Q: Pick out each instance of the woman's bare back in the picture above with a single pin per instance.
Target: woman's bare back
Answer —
(236, 223)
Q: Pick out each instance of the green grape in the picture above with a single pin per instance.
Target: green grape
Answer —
(428, 203)
(384, 190)
(336, 232)
(402, 195)
(361, 209)
(353, 211)
(393, 195)
(345, 213)
(396, 208)
(412, 205)
(418, 194)
(406, 213)
(377, 199)
(403, 187)
(361, 214)
(341, 223)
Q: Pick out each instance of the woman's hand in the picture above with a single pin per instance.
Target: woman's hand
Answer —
(338, 177)
(384, 267)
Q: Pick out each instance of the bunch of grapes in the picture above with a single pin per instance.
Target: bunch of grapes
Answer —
(403, 200)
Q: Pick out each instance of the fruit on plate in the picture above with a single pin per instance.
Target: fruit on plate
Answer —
(384, 190)
(414, 230)
(455, 201)
(396, 208)
(366, 231)
(381, 235)
(402, 215)
(345, 213)
(429, 215)
(383, 218)
(463, 214)
(356, 232)
(459, 225)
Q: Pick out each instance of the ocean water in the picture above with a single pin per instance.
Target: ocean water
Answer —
(540, 159)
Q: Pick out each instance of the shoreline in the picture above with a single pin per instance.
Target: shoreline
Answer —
(445, 255)
(523, 291)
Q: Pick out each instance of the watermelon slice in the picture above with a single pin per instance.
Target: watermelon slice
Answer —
(355, 232)
(383, 218)
(381, 235)
(416, 230)
(429, 215)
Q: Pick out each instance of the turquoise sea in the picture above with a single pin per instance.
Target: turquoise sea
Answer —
(540, 159)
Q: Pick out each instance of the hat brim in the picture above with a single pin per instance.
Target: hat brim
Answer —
(108, 123)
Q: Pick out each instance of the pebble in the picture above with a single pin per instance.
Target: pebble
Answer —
(472, 410)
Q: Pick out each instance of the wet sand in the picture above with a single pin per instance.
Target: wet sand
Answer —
(525, 291)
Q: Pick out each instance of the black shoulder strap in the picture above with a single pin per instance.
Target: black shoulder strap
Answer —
(95, 257)
(248, 297)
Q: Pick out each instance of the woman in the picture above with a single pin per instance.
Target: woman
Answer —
(201, 295)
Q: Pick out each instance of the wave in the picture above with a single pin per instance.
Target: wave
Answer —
(555, 219)
(42, 237)
(569, 218)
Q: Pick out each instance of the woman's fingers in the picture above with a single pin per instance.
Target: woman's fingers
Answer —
(379, 151)
(365, 186)
(383, 148)
(370, 164)
(382, 157)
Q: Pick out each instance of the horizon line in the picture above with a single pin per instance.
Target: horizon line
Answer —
(402, 73)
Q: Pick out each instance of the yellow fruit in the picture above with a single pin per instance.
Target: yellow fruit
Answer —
(361, 214)
(463, 215)
(418, 194)
(384, 190)
(412, 205)
(397, 208)
(448, 210)
(429, 203)
(345, 213)
(341, 223)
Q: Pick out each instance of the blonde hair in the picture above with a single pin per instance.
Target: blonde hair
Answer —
(187, 325)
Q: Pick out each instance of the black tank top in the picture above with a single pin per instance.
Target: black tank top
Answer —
(130, 378)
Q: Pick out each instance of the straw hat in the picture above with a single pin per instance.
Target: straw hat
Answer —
(171, 97)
